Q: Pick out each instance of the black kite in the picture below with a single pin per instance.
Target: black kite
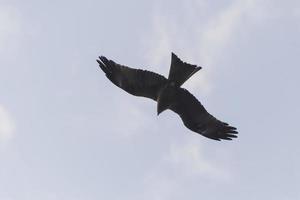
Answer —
(169, 94)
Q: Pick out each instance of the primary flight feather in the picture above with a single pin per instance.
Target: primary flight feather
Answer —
(169, 94)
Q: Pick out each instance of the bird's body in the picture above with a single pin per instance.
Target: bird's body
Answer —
(169, 94)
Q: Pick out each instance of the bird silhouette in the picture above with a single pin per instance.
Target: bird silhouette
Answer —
(169, 94)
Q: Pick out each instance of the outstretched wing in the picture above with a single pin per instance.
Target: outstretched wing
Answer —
(134, 81)
(196, 118)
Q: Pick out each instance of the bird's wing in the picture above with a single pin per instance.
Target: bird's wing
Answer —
(196, 118)
(134, 81)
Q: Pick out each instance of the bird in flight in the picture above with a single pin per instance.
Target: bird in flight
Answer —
(169, 94)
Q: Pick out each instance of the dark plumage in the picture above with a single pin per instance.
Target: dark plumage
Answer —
(169, 94)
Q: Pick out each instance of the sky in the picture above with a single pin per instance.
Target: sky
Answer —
(67, 133)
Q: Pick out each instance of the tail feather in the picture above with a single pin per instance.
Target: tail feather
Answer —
(181, 71)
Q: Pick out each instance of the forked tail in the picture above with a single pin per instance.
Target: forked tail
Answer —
(181, 71)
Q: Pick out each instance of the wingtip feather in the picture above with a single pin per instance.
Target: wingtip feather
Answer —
(103, 65)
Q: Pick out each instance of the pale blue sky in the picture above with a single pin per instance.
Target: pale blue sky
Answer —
(67, 133)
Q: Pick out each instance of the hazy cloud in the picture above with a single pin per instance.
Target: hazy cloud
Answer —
(204, 45)
(126, 114)
(185, 160)
(159, 187)
(190, 158)
(207, 39)
(91, 139)
(9, 24)
(221, 29)
(7, 126)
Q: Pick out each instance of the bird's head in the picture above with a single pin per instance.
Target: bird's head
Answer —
(165, 99)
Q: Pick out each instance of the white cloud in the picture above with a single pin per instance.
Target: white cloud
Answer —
(221, 28)
(190, 158)
(165, 39)
(207, 40)
(159, 43)
(7, 126)
(184, 162)
(218, 32)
